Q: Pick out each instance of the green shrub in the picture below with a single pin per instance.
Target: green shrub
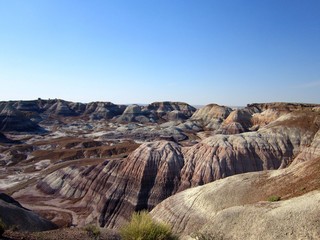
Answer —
(2, 227)
(274, 198)
(93, 231)
(142, 227)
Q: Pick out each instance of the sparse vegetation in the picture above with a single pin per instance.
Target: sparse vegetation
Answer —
(274, 198)
(2, 227)
(143, 227)
(93, 231)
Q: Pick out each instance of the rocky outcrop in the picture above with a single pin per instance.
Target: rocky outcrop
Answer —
(224, 120)
(238, 121)
(61, 108)
(212, 111)
(103, 110)
(116, 188)
(312, 150)
(220, 209)
(220, 156)
(171, 111)
(211, 116)
(14, 215)
(156, 178)
(294, 137)
(134, 113)
(265, 113)
(28, 106)
(265, 117)
(232, 128)
(12, 119)
(77, 107)
(157, 111)
(280, 106)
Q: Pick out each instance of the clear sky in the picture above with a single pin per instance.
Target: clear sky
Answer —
(230, 52)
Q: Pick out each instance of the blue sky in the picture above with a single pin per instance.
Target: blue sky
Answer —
(230, 52)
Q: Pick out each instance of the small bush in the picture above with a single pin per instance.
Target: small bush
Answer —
(2, 227)
(274, 198)
(93, 231)
(142, 227)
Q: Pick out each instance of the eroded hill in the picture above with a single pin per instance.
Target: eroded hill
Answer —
(99, 162)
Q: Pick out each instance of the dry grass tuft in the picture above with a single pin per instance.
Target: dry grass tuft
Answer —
(143, 227)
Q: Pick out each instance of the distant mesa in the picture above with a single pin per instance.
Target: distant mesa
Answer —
(25, 115)
(281, 106)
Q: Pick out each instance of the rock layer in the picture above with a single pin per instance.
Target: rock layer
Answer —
(211, 116)
(12, 119)
(103, 110)
(13, 113)
(154, 171)
(102, 181)
(224, 207)
(120, 187)
(171, 110)
(14, 215)
(157, 111)
(224, 120)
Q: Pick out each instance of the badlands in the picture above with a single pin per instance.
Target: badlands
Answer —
(211, 173)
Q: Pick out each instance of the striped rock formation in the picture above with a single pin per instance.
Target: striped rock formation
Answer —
(157, 170)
